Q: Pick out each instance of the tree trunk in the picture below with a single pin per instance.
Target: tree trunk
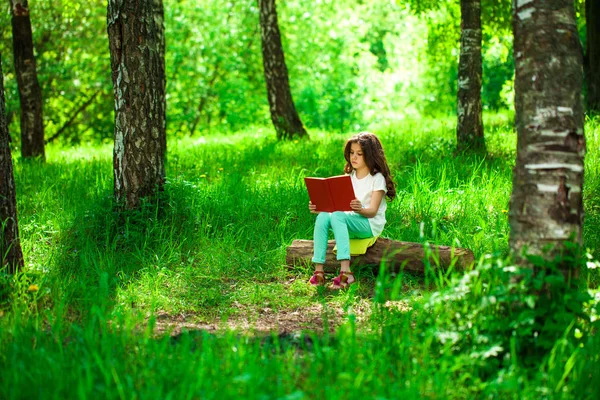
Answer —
(283, 111)
(469, 130)
(397, 255)
(546, 202)
(136, 41)
(10, 247)
(592, 22)
(30, 92)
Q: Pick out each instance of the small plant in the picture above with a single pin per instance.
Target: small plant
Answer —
(500, 316)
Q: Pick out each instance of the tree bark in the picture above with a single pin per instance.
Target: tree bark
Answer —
(592, 22)
(283, 111)
(10, 247)
(136, 41)
(30, 92)
(546, 202)
(397, 255)
(469, 130)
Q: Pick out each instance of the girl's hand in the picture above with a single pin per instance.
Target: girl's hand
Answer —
(371, 210)
(356, 205)
(312, 208)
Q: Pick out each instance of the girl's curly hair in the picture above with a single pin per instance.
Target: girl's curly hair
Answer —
(374, 158)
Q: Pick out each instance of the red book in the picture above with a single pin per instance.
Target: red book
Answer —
(331, 194)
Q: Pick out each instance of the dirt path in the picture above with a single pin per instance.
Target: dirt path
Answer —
(311, 318)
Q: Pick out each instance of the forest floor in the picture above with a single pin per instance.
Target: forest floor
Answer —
(318, 317)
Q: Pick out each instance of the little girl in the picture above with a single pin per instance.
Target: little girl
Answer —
(372, 182)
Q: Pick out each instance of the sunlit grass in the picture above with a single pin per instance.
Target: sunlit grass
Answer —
(211, 251)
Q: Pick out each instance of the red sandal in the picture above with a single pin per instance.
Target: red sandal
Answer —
(318, 278)
(341, 281)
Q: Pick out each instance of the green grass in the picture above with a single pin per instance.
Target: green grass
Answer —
(210, 252)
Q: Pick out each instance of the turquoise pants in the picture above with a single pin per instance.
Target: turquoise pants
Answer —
(345, 226)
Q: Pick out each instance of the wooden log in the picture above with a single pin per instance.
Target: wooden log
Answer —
(397, 255)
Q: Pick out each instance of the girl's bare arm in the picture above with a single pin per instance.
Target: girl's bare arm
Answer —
(371, 210)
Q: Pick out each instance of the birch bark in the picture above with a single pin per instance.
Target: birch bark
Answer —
(546, 202)
(469, 130)
(136, 41)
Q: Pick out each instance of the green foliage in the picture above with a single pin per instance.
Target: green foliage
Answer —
(499, 329)
(438, 95)
(496, 16)
(592, 186)
(348, 64)
(439, 81)
(214, 66)
(498, 73)
(86, 318)
(351, 64)
(73, 65)
(499, 314)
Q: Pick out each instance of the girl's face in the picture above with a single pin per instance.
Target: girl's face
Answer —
(357, 158)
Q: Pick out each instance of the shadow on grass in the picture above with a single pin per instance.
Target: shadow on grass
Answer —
(274, 343)
(187, 249)
(195, 240)
(108, 248)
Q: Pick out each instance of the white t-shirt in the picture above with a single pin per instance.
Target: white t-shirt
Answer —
(363, 189)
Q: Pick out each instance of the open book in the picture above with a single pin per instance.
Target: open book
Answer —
(331, 194)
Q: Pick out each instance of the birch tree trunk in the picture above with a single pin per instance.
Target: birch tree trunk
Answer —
(30, 92)
(10, 247)
(592, 22)
(546, 202)
(469, 130)
(136, 41)
(281, 105)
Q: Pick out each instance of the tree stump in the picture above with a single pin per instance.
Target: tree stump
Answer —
(397, 255)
